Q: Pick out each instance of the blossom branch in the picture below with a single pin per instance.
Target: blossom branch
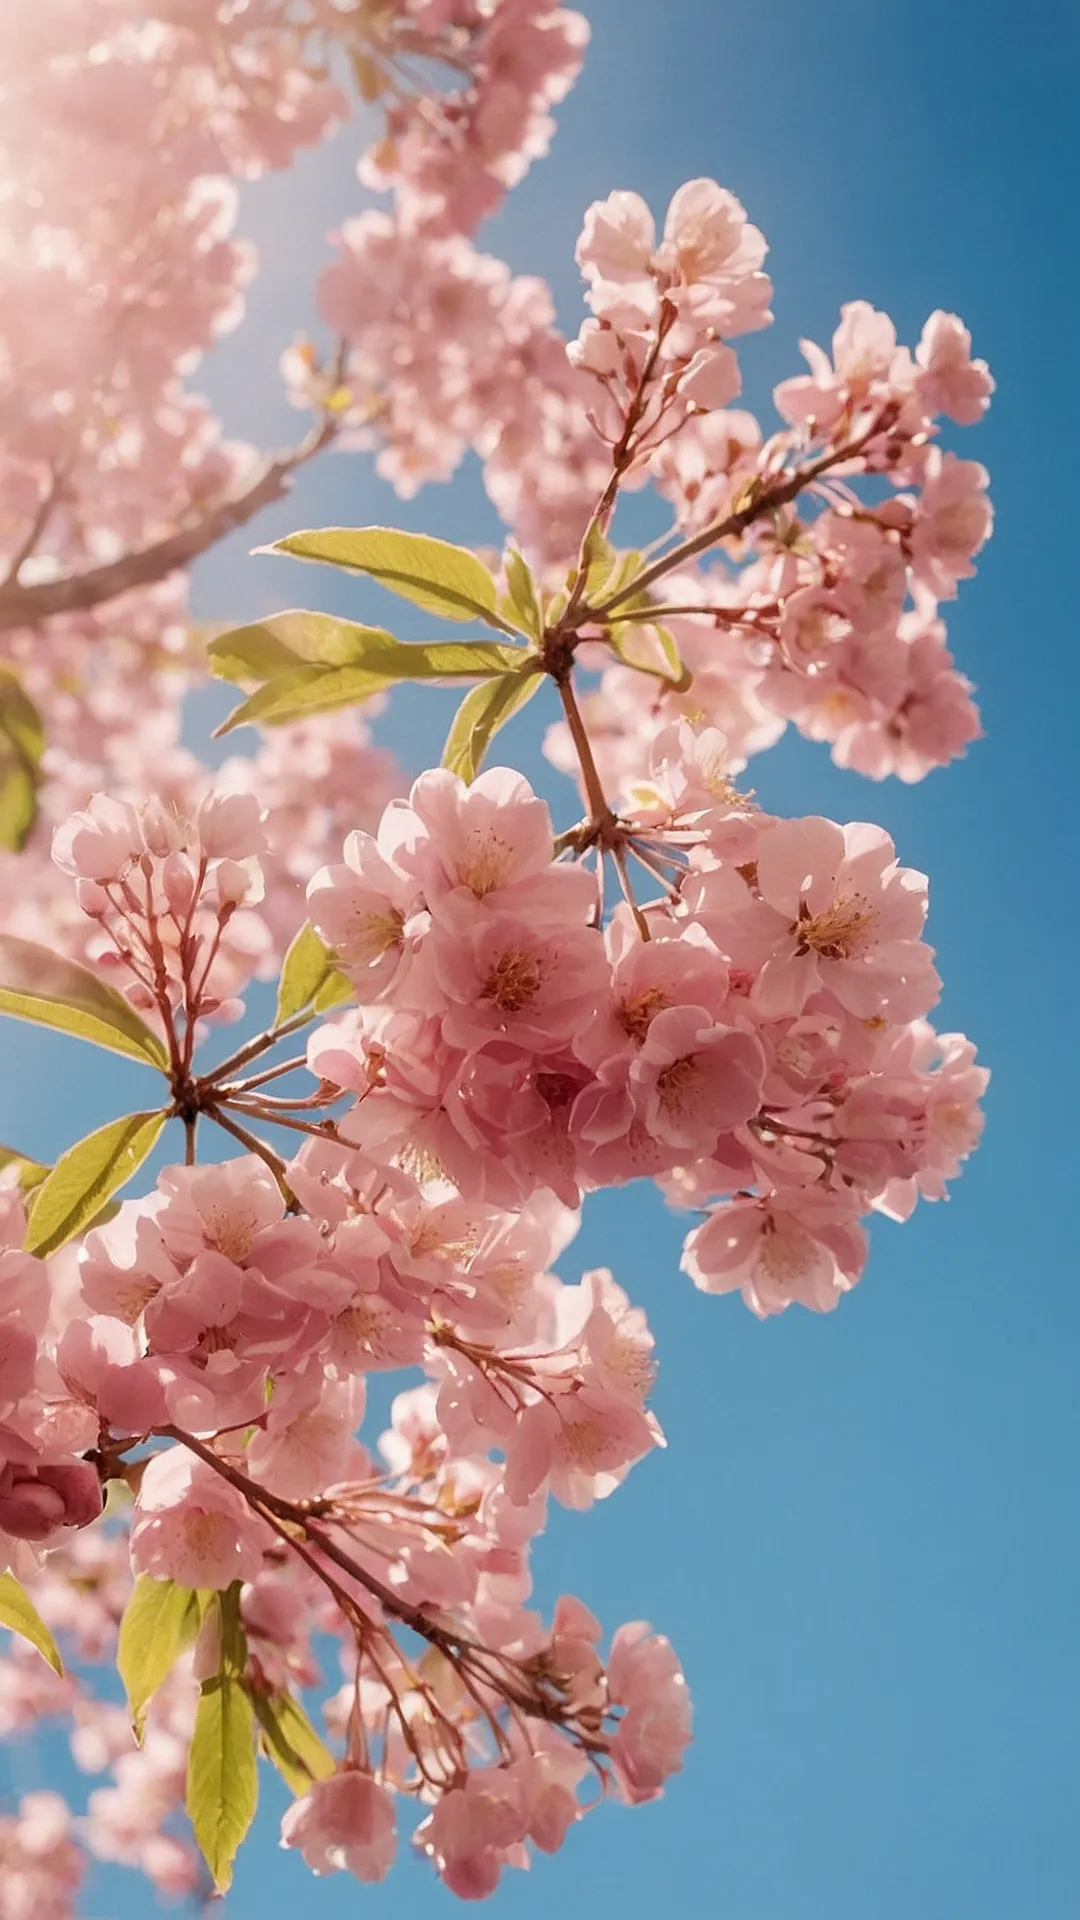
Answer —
(26, 606)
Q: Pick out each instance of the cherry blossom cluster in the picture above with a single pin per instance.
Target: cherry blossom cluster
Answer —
(167, 897)
(504, 1014)
(766, 1039)
(207, 1309)
(451, 154)
(46, 1488)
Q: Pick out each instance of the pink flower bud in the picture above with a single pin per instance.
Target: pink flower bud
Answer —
(178, 880)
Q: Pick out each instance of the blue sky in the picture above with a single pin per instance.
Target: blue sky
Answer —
(862, 1537)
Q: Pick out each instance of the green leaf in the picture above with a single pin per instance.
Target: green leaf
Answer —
(479, 717)
(521, 602)
(39, 985)
(650, 648)
(159, 1621)
(336, 989)
(28, 1173)
(269, 648)
(18, 1612)
(86, 1176)
(305, 969)
(222, 1775)
(443, 579)
(22, 740)
(305, 690)
(291, 1742)
(601, 561)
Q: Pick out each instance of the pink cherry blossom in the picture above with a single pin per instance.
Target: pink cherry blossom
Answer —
(344, 1822)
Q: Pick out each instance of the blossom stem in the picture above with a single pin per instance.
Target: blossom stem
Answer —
(769, 500)
(602, 815)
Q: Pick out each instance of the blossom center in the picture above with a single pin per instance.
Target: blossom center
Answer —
(513, 980)
(230, 1232)
(679, 1084)
(486, 863)
(635, 1016)
(378, 932)
(785, 1254)
(842, 931)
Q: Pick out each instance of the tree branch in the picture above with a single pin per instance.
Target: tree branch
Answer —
(768, 500)
(27, 606)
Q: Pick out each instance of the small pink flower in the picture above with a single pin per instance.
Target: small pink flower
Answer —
(191, 1527)
(344, 1822)
(949, 380)
(788, 1247)
(644, 1677)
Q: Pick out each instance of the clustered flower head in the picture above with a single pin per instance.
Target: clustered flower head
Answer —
(767, 1041)
(168, 895)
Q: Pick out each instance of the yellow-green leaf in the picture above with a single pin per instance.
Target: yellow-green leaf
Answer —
(222, 1775)
(336, 989)
(22, 739)
(479, 717)
(601, 560)
(39, 985)
(304, 692)
(291, 1742)
(18, 1612)
(28, 1173)
(159, 1621)
(314, 689)
(650, 648)
(84, 1178)
(442, 578)
(269, 648)
(305, 969)
(521, 602)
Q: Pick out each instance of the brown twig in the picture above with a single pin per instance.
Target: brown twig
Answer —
(75, 592)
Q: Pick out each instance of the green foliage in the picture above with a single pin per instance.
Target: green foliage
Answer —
(435, 575)
(28, 1173)
(521, 601)
(41, 986)
(18, 1612)
(650, 648)
(222, 1777)
(267, 649)
(312, 663)
(289, 1740)
(22, 741)
(159, 1621)
(71, 1197)
(306, 969)
(479, 717)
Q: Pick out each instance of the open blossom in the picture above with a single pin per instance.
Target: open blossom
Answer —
(191, 1527)
(826, 906)
(344, 1822)
(645, 1679)
(949, 380)
(708, 261)
(778, 1250)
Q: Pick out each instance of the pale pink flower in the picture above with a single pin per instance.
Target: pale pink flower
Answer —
(346, 1822)
(953, 520)
(190, 1526)
(949, 380)
(503, 977)
(644, 1677)
(782, 1249)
